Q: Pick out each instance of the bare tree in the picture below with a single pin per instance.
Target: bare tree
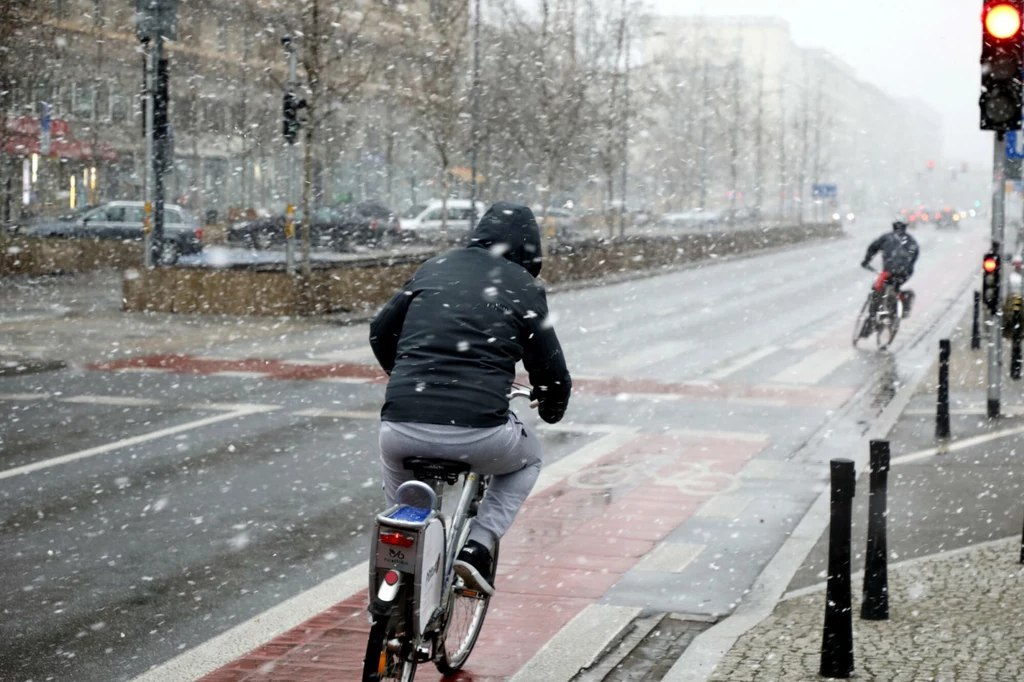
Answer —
(437, 88)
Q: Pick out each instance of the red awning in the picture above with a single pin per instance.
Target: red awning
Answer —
(23, 139)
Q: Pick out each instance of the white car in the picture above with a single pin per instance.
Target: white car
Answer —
(424, 220)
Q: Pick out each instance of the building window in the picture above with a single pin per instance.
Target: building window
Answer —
(222, 36)
(118, 107)
(83, 96)
(103, 99)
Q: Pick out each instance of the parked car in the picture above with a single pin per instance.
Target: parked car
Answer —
(423, 221)
(561, 222)
(341, 228)
(122, 220)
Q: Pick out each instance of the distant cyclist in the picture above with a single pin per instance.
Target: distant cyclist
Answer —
(450, 341)
(899, 255)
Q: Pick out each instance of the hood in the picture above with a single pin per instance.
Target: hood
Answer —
(513, 229)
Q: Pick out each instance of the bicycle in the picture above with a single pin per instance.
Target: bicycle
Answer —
(420, 610)
(881, 313)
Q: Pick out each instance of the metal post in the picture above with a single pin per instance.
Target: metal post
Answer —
(147, 183)
(158, 143)
(942, 407)
(976, 326)
(875, 605)
(1015, 349)
(476, 111)
(995, 326)
(289, 223)
(625, 140)
(837, 639)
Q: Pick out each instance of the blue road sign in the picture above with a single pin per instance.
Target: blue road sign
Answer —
(1014, 145)
(44, 128)
(824, 191)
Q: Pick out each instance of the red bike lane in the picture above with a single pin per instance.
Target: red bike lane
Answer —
(570, 544)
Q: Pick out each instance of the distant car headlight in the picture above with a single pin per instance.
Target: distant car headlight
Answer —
(849, 216)
(836, 216)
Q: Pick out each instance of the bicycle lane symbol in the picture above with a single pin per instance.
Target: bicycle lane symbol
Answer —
(697, 479)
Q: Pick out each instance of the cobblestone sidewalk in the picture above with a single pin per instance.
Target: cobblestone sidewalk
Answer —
(953, 618)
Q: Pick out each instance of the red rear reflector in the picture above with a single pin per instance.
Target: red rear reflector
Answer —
(391, 577)
(396, 539)
(199, 234)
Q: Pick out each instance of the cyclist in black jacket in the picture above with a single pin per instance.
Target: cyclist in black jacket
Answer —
(450, 341)
(899, 256)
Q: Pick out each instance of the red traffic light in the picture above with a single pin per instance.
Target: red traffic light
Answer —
(990, 264)
(931, 164)
(1001, 20)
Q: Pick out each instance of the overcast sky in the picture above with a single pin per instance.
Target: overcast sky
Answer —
(919, 48)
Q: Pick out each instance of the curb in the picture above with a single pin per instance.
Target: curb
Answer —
(702, 657)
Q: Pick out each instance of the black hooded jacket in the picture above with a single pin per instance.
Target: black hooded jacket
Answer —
(899, 252)
(450, 340)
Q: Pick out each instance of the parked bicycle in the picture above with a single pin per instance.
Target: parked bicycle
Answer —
(880, 317)
(420, 609)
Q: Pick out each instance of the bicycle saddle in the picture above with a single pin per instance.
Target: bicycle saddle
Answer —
(425, 469)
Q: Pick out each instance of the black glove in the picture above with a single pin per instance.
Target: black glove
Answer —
(866, 265)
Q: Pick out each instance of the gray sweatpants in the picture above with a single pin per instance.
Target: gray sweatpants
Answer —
(510, 454)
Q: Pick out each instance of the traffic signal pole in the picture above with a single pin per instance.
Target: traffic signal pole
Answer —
(289, 230)
(995, 318)
(147, 184)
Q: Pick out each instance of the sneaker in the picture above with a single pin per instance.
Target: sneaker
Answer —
(473, 565)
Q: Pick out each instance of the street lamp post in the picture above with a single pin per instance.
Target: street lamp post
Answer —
(475, 134)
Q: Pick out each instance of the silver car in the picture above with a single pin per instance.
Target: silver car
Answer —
(123, 220)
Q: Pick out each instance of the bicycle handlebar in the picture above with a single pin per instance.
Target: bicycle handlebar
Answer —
(520, 391)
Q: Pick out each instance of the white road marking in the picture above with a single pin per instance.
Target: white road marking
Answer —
(343, 380)
(669, 557)
(24, 396)
(578, 644)
(144, 370)
(237, 374)
(955, 446)
(232, 407)
(356, 354)
(724, 507)
(654, 353)
(338, 414)
(814, 367)
(127, 442)
(272, 623)
(115, 400)
(974, 410)
(582, 458)
(741, 363)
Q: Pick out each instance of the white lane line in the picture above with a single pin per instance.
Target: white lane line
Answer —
(578, 644)
(955, 446)
(231, 407)
(654, 353)
(343, 380)
(814, 367)
(127, 442)
(357, 354)
(741, 363)
(669, 557)
(1006, 410)
(243, 638)
(338, 414)
(24, 396)
(238, 374)
(115, 400)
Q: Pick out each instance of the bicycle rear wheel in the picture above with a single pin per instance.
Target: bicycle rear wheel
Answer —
(466, 612)
(386, 652)
(889, 322)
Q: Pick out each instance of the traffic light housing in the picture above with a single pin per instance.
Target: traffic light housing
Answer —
(1002, 51)
(990, 269)
(290, 117)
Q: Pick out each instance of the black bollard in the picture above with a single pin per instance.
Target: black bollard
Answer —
(875, 605)
(976, 327)
(1022, 548)
(942, 407)
(837, 639)
(1015, 351)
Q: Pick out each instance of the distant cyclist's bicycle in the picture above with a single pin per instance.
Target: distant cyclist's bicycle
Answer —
(420, 609)
(880, 317)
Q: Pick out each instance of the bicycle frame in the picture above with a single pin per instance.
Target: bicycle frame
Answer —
(416, 575)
